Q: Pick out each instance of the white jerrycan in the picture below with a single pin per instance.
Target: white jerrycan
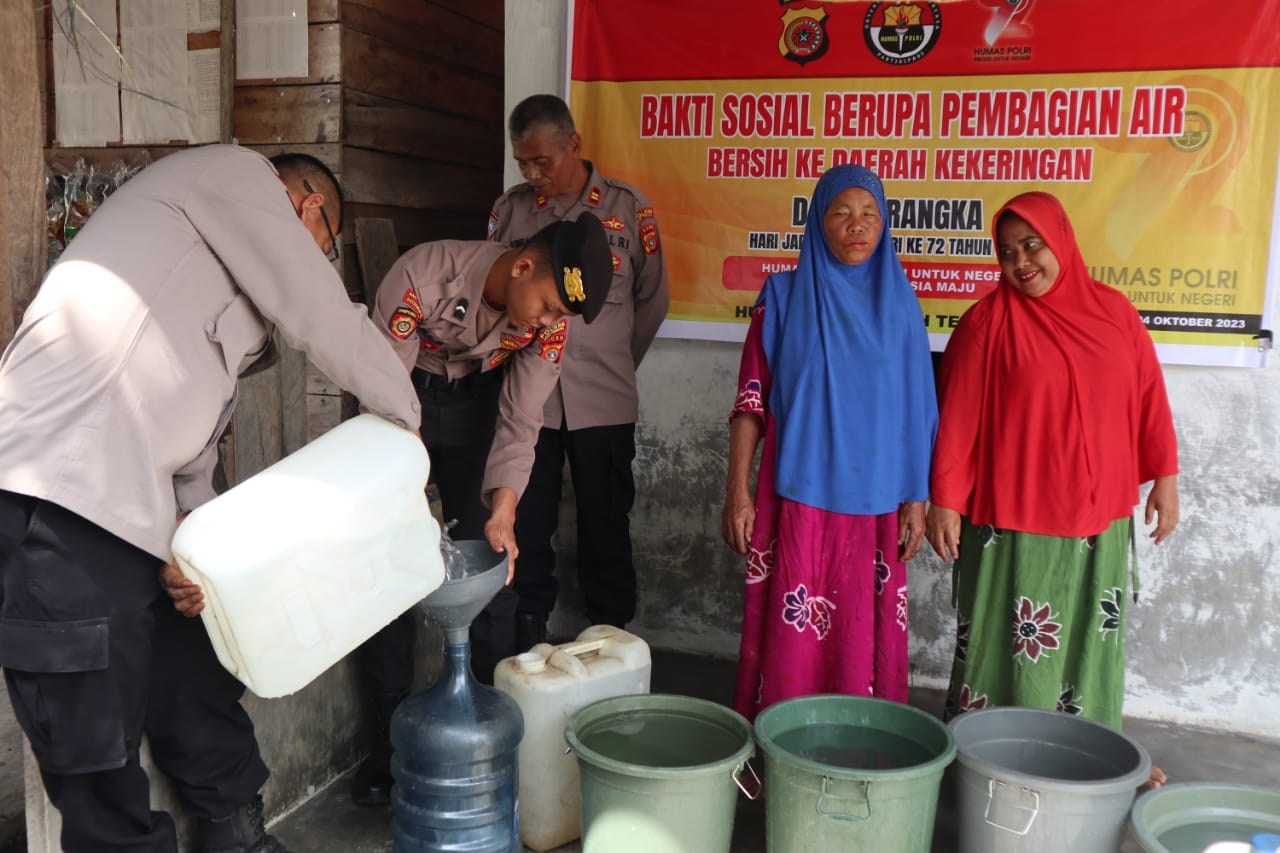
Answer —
(306, 560)
(550, 683)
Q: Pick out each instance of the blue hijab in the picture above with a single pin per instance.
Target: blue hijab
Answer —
(853, 395)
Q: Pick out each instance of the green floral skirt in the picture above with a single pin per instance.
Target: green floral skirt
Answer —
(1041, 621)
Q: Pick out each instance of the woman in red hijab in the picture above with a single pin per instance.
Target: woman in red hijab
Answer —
(1053, 412)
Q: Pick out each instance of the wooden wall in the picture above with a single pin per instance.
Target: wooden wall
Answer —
(22, 243)
(423, 114)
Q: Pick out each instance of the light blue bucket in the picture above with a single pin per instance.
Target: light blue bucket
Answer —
(1192, 817)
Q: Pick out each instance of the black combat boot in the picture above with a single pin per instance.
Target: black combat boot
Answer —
(242, 831)
(531, 629)
(371, 785)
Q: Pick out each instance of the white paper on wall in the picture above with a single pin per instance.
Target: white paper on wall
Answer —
(86, 73)
(153, 88)
(204, 91)
(271, 39)
(204, 16)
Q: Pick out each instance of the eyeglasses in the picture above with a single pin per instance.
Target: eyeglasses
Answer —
(332, 254)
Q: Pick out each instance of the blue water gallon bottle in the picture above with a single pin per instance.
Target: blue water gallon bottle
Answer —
(455, 766)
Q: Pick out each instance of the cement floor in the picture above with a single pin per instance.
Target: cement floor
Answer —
(330, 822)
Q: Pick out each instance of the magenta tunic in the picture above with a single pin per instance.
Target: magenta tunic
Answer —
(825, 606)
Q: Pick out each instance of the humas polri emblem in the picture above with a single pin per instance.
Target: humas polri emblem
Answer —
(902, 33)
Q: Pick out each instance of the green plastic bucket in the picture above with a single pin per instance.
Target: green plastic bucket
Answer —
(851, 773)
(1192, 817)
(1043, 781)
(659, 773)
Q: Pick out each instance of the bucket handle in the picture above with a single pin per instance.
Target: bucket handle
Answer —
(737, 779)
(866, 798)
(1035, 810)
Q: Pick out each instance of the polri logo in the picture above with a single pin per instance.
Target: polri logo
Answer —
(902, 33)
(804, 34)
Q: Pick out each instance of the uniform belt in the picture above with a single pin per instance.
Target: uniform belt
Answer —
(424, 381)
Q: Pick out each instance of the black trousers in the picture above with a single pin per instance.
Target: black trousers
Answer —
(94, 654)
(457, 428)
(600, 467)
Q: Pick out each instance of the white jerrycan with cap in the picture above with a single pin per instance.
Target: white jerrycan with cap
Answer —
(306, 560)
(550, 684)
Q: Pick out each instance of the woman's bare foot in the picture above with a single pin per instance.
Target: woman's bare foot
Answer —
(1155, 780)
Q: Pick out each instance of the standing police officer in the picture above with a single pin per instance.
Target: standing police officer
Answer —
(113, 395)
(483, 329)
(591, 414)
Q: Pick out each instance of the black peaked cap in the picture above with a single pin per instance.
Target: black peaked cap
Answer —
(582, 264)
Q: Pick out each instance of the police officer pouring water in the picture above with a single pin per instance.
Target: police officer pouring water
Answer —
(113, 394)
(482, 327)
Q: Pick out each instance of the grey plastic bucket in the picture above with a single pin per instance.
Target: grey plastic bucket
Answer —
(1043, 781)
(659, 773)
(851, 773)
(1189, 817)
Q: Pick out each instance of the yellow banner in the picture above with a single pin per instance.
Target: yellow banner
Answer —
(1169, 178)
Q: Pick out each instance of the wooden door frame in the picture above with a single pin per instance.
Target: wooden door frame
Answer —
(22, 219)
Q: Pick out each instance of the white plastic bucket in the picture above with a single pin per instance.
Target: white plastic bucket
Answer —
(308, 559)
(550, 683)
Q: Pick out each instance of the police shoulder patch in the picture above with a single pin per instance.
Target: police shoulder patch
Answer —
(403, 324)
(511, 341)
(551, 341)
(411, 301)
(649, 236)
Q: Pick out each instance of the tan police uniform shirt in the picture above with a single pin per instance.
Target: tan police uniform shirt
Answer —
(430, 305)
(118, 383)
(597, 384)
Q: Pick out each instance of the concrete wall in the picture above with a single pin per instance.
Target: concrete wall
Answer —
(1202, 642)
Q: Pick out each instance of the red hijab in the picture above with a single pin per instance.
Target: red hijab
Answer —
(1053, 408)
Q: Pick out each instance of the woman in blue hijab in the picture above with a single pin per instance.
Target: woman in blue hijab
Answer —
(836, 378)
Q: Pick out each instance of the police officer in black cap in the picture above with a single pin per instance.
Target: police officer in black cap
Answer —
(482, 326)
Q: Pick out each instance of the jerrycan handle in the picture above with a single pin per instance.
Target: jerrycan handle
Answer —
(566, 658)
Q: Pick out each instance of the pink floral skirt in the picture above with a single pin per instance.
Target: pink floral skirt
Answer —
(825, 606)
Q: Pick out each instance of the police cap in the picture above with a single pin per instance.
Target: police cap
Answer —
(581, 264)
